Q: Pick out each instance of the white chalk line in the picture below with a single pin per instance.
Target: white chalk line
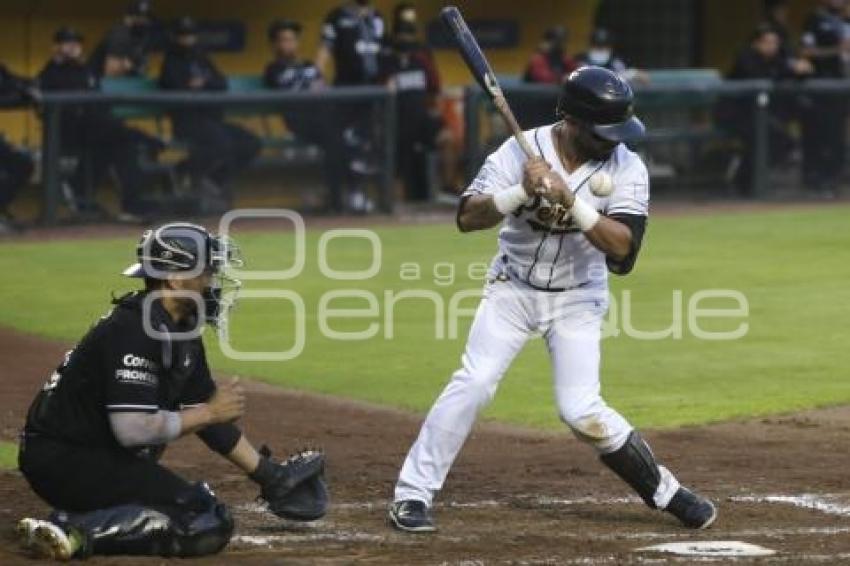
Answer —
(519, 501)
(806, 501)
(359, 536)
(322, 534)
(280, 540)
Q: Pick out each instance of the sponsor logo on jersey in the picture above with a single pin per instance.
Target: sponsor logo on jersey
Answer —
(136, 377)
(137, 371)
(134, 361)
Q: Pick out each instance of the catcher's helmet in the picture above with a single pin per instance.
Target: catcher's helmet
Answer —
(187, 250)
(602, 100)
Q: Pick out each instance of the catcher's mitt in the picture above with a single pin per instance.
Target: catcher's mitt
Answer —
(296, 489)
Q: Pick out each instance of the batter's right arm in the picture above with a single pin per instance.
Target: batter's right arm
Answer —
(485, 210)
(477, 212)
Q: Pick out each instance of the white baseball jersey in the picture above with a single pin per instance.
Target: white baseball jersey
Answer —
(547, 250)
(547, 253)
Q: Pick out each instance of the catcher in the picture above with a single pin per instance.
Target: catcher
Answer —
(136, 381)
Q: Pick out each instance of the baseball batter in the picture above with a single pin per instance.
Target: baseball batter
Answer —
(557, 242)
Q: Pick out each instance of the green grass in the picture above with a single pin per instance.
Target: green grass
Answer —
(791, 265)
(8, 456)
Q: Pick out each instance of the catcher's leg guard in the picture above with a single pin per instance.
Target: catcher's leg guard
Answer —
(636, 465)
(197, 525)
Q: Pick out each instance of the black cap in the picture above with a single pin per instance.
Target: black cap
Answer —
(601, 36)
(185, 26)
(278, 26)
(604, 101)
(556, 34)
(67, 34)
(139, 8)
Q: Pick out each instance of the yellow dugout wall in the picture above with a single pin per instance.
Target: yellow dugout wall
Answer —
(27, 27)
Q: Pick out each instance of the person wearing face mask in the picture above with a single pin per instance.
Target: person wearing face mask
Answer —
(102, 141)
(601, 53)
(289, 72)
(550, 64)
(351, 37)
(762, 58)
(218, 150)
(125, 49)
(408, 67)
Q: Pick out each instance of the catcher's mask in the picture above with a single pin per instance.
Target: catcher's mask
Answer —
(184, 250)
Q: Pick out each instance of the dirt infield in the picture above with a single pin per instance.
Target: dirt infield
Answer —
(515, 496)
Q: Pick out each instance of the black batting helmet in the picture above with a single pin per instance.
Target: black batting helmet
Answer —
(602, 100)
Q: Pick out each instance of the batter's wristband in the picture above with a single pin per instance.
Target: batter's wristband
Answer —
(584, 215)
(510, 199)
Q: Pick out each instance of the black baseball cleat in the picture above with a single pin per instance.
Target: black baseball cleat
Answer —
(694, 511)
(412, 516)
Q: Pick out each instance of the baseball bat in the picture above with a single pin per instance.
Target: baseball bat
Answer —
(481, 71)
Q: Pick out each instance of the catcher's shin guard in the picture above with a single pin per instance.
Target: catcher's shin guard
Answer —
(636, 465)
(197, 525)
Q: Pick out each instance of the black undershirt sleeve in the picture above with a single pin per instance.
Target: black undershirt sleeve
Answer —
(637, 224)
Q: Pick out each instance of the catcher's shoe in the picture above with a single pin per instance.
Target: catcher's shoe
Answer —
(412, 516)
(694, 511)
(46, 540)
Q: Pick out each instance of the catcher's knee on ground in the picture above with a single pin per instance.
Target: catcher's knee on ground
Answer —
(196, 525)
(593, 421)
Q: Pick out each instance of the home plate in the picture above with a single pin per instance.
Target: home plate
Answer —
(710, 548)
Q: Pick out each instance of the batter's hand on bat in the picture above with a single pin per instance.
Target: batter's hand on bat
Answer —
(534, 172)
(556, 190)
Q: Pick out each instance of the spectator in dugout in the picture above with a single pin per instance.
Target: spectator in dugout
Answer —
(125, 49)
(825, 44)
(550, 64)
(352, 35)
(218, 150)
(289, 72)
(776, 16)
(762, 58)
(601, 53)
(16, 166)
(100, 141)
(408, 68)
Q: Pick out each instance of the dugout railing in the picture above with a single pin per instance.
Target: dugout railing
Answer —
(155, 105)
(680, 115)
